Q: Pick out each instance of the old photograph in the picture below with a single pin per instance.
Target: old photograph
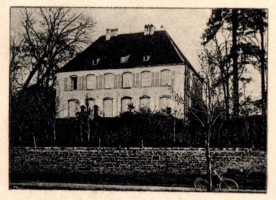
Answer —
(138, 99)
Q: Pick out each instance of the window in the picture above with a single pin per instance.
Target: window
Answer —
(91, 82)
(125, 103)
(108, 107)
(108, 81)
(91, 103)
(124, 59)
(145, 79)
(74, 82)
(146, 58)
(118, 81)
(72, 107)
(95, 61)
(145, 102)
(166, 77)
(165, 102)
(127, 80)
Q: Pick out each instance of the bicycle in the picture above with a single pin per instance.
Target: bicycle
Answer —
(223, 184)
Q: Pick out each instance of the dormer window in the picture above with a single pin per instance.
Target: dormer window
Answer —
(95, 61)
(124, 59)
(146, 58)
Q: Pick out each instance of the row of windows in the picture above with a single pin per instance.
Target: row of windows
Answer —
(125, 80)
(73, 104)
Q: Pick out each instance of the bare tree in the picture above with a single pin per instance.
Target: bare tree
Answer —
(50, 37)
(208, 109)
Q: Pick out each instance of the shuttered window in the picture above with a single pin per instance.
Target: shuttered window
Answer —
(165, 102)
(145, 79)
(108, 107)
(166, 77)
(91, 103)
(73, 82)
(125, 103)
(72, 107)
(127, 80)
(145, 102)
(108, 81)
(91, 82)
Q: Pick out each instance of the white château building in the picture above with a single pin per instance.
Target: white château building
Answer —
(146, 69)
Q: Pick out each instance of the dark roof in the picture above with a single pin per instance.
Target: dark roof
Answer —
(159, 46)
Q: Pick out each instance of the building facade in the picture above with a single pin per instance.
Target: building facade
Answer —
(146, 70)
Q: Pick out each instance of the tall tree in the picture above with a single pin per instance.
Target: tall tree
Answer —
(49, 38)
(226, 19)
(247, 28)
(254, 42)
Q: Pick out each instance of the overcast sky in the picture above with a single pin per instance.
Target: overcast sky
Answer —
(185, 26)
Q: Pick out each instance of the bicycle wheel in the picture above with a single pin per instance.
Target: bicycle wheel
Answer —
(228, 185)
(200, 184)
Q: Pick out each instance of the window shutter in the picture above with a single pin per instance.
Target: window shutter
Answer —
(157, 78)
(66, 84)
(84, 82)
(115, 81)
(97, 82)
(101, 84)
(173, 77)
(120, 80)
(136, 82)
(79, 83)
(138, 79)
(152, 79)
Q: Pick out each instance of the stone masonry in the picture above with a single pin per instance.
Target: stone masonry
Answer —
(130, 161)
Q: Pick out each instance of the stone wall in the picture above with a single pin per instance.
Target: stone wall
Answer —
(132, 161)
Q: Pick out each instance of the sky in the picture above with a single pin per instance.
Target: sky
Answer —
(185, 26)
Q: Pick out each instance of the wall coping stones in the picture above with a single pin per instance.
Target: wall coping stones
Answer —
(136, 148)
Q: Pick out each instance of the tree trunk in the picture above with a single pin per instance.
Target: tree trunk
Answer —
(88, 129)
(208, 161)
(263, 82)
(235, 63)
(34, 140)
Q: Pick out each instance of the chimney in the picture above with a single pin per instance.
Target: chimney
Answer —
(146, 30)
(108, 34)
(114, 32)
(152, 28)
